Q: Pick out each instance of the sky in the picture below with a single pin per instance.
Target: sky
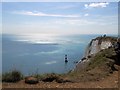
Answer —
(60, 18)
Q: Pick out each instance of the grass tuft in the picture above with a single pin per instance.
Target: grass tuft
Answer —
(13, 76)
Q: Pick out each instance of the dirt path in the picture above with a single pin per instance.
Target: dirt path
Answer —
(109, 82)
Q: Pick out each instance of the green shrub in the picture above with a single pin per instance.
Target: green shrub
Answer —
(12, 76)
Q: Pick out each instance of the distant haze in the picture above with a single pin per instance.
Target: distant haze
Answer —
(60, 18)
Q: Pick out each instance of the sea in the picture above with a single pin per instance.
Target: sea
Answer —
(42, 53)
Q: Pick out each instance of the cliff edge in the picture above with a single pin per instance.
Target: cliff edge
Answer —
(100, 60)
(100, 43)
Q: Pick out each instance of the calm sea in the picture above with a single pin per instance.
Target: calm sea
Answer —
(42, 53)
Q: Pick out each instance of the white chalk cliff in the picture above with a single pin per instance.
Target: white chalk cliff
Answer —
(96, 45)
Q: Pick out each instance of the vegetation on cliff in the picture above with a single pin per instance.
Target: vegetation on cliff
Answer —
(99, 65)
(12, 76)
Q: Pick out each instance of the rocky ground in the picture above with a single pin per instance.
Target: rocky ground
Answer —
(109, 82)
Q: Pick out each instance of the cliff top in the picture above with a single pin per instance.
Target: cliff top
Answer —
(107, 38)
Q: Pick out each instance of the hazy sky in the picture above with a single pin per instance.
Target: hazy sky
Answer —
(60, 17)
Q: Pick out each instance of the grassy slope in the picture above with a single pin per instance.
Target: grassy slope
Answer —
(100, 66)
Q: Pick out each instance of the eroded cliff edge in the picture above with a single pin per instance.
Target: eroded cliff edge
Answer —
(100, 60)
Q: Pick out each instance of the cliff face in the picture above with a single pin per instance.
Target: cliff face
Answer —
(101, 59)
(97, 51)
(99, 44)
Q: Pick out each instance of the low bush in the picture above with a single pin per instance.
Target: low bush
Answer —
(12, 76)
(50, 77)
